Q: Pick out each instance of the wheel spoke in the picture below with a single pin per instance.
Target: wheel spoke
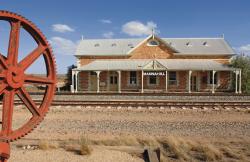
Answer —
(14, 42)
(2, 88)
(1, 75)
(27, 100)
(8, 104)
(27, 61)
(37, 79)
(2, 61)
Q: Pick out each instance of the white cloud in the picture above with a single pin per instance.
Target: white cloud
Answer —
(63, 46)
(137, 28)
(105, 21)
(108, 34)
(62, 28)
(245, 48)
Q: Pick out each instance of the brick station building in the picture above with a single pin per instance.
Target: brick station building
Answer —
(155, 64)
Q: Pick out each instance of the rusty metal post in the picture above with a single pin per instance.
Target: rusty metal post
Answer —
(4, 151)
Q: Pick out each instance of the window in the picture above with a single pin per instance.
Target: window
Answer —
(113, 80)
(152, 79)
(113, 45)
(133, 78)
(172, 78)
(92, 73)
(153, 43)
(97, 45)
(211, 77)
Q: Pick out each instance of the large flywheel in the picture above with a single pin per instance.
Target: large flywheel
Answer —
(13, 77)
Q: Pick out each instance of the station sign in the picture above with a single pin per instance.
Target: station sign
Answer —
(154, 73)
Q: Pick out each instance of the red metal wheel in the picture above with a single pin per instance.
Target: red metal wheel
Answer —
(13, 77)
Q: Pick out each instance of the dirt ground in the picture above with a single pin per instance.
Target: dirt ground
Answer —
(72, 123)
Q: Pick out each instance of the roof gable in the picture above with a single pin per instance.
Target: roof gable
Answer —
(154, 65)
(146, 51)
(150, 37)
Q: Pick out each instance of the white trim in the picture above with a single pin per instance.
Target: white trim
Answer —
(150, 45)
(189, 81)
(239, 81)
(196, 38)
(176, 78)
(155, 37)
(128, 79)
(138, 45)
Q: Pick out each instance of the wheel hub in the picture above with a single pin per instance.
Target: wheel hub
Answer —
(15, 77)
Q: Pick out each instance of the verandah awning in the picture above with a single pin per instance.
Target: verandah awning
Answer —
(157, 65)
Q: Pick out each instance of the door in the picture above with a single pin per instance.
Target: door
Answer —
(194, 83)
(113, 81)
(93, 81)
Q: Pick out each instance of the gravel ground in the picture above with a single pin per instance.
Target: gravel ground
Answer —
(68, 122)
(187, 97)
(63, 123)
(59, 155)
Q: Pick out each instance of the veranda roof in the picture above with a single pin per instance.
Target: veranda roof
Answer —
(159, 64)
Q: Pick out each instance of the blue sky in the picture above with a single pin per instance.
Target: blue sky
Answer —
(64, 22)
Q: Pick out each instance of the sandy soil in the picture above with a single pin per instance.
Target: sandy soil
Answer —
(63, 123)
(60, 155)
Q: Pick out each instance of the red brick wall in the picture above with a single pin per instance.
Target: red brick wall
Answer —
(181, 86)
(125, 86)
(181, 82)
(203, 81)
(83, 80)
(224, 80)
(104, 79)
(148, 52)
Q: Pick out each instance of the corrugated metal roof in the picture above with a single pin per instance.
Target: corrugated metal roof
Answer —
(186, 46)
(170, 64)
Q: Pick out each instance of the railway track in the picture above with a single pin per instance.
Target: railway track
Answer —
(149, 103)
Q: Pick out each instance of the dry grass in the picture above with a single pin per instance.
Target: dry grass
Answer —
(84, 147)
(117, 141)
(81, 147)
(228, 152)
(172, 148)
(46, 145)
(207, 152)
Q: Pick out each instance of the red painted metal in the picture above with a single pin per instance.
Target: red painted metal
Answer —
(13, 78)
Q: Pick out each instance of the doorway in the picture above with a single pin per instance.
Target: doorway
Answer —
(113, 81)
(194, 86)
(93, 81)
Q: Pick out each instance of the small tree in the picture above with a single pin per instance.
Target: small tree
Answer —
(69, 77)
(243, 62)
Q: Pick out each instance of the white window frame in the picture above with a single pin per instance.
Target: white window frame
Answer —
(148, 44)
(136, 78)
(176, 78)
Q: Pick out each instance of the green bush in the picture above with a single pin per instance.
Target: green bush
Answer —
(243, 62)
